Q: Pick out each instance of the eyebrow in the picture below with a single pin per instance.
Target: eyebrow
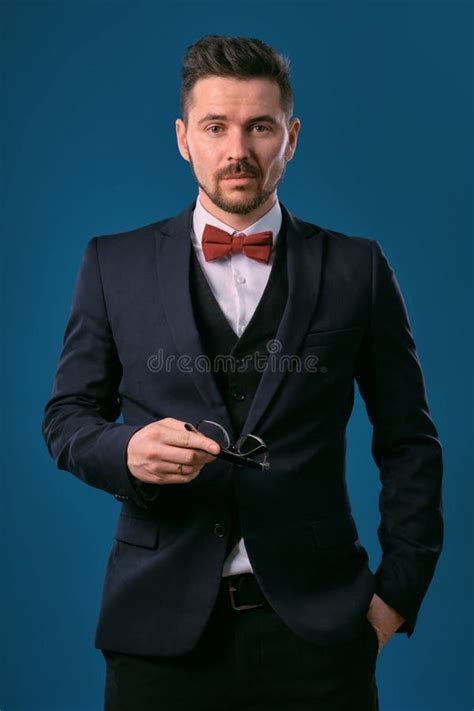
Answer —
(222, 117)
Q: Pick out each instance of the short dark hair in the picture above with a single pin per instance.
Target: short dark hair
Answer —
(239, 57)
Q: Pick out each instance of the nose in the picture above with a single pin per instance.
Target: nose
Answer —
(237, 148)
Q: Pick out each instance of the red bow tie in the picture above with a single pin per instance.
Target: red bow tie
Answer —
(217, 243)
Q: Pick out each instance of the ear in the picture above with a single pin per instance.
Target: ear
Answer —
(181, 138)
(295, 125)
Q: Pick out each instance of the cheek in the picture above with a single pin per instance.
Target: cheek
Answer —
(203, 161)
(208, 157)
(275, 163)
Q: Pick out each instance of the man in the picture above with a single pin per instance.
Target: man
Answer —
(231, 585)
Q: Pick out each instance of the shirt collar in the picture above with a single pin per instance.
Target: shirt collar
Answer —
(270, 221)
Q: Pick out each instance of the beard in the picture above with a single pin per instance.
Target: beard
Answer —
(246, 203)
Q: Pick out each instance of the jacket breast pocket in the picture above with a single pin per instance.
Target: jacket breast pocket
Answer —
(137, 531)
(345, 336)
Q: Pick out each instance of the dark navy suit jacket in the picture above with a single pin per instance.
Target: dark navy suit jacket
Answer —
(346, 320)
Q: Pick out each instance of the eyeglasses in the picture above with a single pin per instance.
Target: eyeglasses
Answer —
(249, 450)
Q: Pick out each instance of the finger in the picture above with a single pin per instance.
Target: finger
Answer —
(163, 479)
(167, 468)
(173, 475)
(181, 437)
(171, 422)
(182, 455)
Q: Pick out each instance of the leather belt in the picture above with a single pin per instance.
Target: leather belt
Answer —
(244, 591)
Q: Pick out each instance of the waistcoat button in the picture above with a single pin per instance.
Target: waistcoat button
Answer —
(219, 530)
(238, 395)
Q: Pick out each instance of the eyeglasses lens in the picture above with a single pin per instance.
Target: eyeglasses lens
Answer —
(214, 431)
(252, 447)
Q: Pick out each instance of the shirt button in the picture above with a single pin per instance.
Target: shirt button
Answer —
(240, 280)
(219, 530)
(238, 395)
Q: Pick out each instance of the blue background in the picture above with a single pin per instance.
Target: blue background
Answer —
(384, 92)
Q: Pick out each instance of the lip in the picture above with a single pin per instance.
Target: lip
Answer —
(240, 177)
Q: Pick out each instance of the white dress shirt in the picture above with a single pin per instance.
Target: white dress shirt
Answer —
(237, 283)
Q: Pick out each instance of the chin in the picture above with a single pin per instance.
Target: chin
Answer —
(242, 188)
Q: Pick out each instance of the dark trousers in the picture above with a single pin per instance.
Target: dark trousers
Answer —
(247, 660)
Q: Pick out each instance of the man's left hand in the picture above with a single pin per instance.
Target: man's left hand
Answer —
(384, 619)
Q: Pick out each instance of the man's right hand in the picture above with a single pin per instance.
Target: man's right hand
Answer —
(155, 452)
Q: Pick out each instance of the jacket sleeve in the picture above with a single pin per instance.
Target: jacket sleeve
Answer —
(405, 447)
(79, 425)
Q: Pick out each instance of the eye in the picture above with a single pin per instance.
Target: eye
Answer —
(265, 128)
(208, 129)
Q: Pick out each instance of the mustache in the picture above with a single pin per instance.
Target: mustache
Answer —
(243, 168)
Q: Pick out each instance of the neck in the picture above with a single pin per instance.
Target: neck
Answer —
(237, 222)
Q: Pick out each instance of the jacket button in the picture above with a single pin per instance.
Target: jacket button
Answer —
(219, 530)
(238, 395)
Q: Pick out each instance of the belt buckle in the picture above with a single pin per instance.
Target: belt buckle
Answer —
(232, 590)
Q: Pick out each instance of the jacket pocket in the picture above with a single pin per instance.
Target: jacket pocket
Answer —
(329, 338)
(137, 531)
(337, 530)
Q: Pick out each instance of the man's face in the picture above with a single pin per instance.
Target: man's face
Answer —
(237, 141)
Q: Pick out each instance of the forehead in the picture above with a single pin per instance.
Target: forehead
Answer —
(218, 95)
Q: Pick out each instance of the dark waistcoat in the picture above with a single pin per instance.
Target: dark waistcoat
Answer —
(238, 362)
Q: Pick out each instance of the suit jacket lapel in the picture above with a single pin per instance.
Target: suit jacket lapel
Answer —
(173, 253)
(304, 259)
